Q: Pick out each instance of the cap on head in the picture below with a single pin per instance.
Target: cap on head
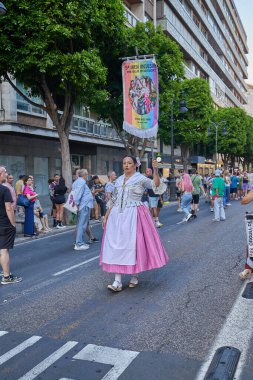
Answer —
(217, 173)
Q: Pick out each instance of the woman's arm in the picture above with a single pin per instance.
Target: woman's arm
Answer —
(156, 175)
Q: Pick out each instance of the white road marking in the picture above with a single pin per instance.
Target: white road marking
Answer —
(75, 266)
(3, 333)
(42, 366)
(120, 359)
(21, 347)
(236, 332)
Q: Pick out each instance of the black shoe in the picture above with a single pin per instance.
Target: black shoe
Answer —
(94, 240)
(12, 279)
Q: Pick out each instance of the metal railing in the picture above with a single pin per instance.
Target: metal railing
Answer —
(92, 128)
(130, 17)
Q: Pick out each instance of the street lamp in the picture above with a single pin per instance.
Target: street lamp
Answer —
(3, 10)
(224, 132)
(182, 109)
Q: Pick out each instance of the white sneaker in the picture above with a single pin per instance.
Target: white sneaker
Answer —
(188, 217)
(211, 209)
(179, 209)
(81, 247)
(228, 204)
(158, 224)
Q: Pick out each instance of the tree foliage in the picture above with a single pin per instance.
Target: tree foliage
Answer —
(232, 144)
(57, 48)
(190, 127)
(145, 40)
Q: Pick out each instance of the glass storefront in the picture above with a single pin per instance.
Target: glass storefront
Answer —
(41, 175)
(14, 165)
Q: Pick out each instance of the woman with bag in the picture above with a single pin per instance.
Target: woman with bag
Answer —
(31, 195)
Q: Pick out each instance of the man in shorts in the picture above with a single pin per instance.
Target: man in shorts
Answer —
(153, 200)
(7, 230)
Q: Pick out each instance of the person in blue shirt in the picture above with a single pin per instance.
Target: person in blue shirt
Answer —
(233, 186)
(84, 201)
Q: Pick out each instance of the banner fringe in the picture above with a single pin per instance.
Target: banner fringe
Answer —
(142, 133)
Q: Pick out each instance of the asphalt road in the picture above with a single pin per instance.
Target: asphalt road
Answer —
(163, 329)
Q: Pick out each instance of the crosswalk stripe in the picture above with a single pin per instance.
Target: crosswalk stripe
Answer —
(21, 347)
(3, 333)
(46, 363)
(119, 359)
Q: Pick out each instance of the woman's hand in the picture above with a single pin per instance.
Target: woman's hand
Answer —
(155, 165)
(156, 176)
(104, 221)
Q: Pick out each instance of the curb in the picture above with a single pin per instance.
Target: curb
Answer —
(55, 231)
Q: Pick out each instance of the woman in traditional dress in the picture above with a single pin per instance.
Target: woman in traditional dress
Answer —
(131, 243)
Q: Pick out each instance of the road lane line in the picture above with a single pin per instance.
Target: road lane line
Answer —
(2, 333)
(120, 359)
(46, 363)
(75, 266)
(16, 350)
(236, 332)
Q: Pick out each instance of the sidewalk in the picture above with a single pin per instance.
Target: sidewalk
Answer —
(55, 231)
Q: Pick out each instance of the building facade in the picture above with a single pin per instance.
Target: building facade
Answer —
(249, 106)
(29, 142)
(212, 39)
(214, 45)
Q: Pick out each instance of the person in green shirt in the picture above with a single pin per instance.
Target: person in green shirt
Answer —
(217, 195)
(197, 184)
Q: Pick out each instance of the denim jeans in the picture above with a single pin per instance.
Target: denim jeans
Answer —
(186, 203)
(219, 213)
(82, 221)
(226, 198)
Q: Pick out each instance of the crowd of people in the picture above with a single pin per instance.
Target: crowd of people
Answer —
(118, 203)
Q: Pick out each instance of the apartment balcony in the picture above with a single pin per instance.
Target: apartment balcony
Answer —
(197, 34)
(168, 27)
(89, 127)
(222, 48)
(229, 42)
(131, 18)
(219, 8)
(188, 73)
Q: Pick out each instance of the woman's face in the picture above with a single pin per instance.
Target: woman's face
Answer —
(129, 166)
(29, 182)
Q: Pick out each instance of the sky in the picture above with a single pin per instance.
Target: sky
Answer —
(245, 10)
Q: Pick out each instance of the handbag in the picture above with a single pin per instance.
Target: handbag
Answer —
(23, 201)
(70, 204)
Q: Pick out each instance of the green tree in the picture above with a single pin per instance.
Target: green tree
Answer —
(190, 127)
(248, 148)
(54, 48)
(143, 39)
(232, 144)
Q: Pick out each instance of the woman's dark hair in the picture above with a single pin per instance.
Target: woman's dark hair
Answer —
(132, 157)
(61, 181)
(25, 179)
(95, 177)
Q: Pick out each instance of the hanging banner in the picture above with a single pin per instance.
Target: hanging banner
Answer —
(140, 96)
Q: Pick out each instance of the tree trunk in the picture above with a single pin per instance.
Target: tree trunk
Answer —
(65, 156)
(184, 155)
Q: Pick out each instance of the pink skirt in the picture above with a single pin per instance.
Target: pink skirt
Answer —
(150, 253)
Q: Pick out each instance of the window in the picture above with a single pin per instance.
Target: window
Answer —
(14, 165)
(23, 105)
(41, 175)
(77, 161)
